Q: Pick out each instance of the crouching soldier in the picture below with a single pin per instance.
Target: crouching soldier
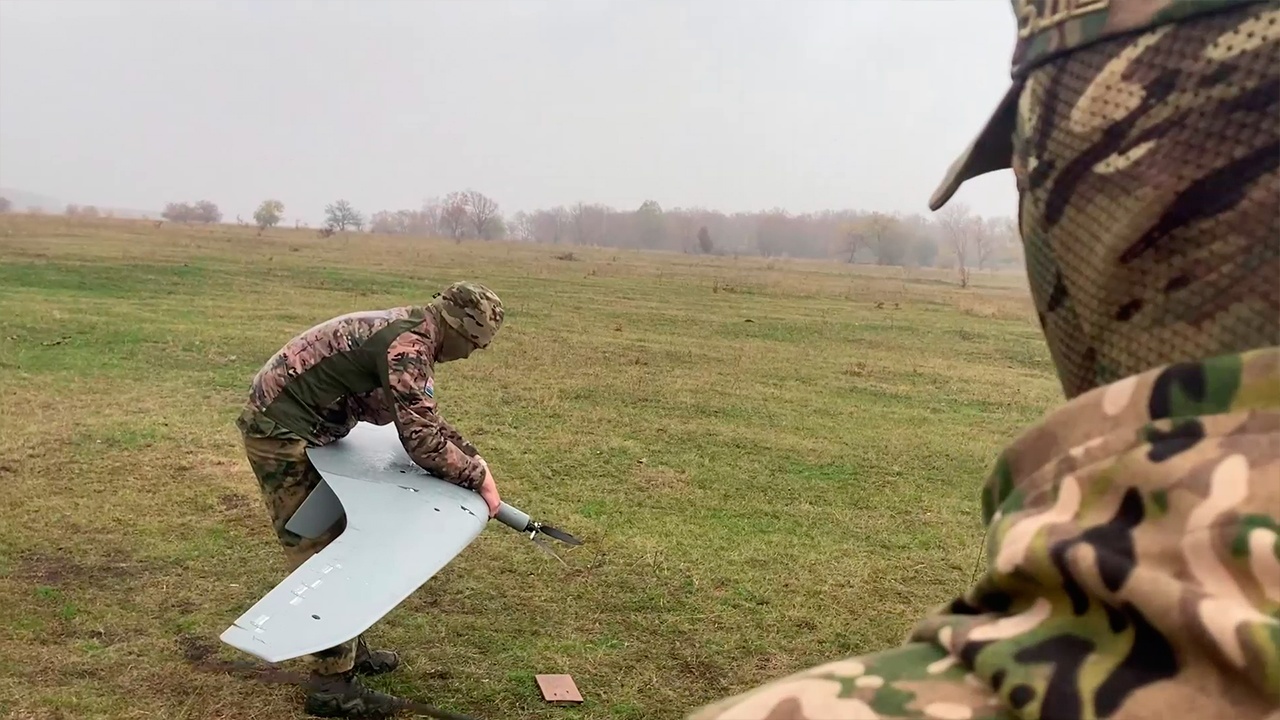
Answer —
(375, 366)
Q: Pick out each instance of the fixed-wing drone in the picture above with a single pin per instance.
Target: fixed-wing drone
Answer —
(403, 526)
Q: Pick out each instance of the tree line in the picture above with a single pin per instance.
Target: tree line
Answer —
(954, 237)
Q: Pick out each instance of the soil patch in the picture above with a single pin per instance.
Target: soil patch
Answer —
(232, 502)
(662, 480)
(242, 510)
(200, 655)
(60, 570)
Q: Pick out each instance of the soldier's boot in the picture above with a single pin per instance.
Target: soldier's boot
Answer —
(374, 662)
(344, 696)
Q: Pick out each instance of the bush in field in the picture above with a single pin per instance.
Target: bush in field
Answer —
(268, 214)
(203, 211)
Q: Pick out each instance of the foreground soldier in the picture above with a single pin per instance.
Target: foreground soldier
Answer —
(1133, 556)
(377, 367)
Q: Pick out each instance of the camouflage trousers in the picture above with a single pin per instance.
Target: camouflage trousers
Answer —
(285, 478)
(1133, 571)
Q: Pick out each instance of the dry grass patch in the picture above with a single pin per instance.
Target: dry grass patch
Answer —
(773, 463)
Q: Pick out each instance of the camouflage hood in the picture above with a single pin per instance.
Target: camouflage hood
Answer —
(1048, 29)
(1144, 138)
(472, 309)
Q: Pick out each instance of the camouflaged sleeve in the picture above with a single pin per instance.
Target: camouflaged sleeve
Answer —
(1133, 571)
(426, 435)
(452, 435)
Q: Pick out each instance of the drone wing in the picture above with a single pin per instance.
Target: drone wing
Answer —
(403, 526)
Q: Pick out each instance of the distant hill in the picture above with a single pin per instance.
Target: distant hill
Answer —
(23, 201)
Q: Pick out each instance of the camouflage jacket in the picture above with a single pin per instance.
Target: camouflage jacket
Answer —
(376, 366)
(1133, 552)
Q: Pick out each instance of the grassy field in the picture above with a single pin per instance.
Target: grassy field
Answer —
(772, 464)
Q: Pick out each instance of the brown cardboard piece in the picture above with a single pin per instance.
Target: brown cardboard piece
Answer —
(558, 688)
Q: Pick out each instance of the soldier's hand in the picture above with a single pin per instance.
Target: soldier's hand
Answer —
(489, 489)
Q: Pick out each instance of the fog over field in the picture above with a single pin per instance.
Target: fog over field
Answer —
(780, 127)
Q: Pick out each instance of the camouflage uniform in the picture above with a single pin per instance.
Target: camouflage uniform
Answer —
(1133, 536)
(376, 367)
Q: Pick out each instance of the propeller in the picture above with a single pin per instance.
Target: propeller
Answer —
(520, 521)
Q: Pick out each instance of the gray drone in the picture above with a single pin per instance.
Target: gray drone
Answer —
(403, 526)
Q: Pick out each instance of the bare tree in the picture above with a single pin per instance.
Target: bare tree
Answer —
(550, 226)
(679, 229)
(1006, 243)
(560, 219)
(407, 222)
(578, 214)
(886, 239)
(5, 205)
(426, 221)
(524, 226)
(591, 223)
(983, 239)
(341, 215)
(957, 227)
(852, 240)
(483, 212)
(385, 221)
(772, 232)
(454, 214)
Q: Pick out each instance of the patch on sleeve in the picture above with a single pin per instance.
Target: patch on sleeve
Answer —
(430, 388)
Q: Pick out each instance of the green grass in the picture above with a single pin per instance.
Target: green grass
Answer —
(768, 470)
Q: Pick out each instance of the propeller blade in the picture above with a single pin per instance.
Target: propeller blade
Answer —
(560, 535)
(543, 547)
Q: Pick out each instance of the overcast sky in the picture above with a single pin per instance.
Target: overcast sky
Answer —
(725, 104)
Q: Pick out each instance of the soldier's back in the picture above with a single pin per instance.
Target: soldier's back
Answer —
(328, 377)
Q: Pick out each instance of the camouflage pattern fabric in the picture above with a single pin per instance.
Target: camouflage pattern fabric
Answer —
(471, 309)
(376, 367)
(1133, 536)
(285, 478)
(1047, 30)
(1149, 170)
(410, 384)
(301, 390)
(1133, 571)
